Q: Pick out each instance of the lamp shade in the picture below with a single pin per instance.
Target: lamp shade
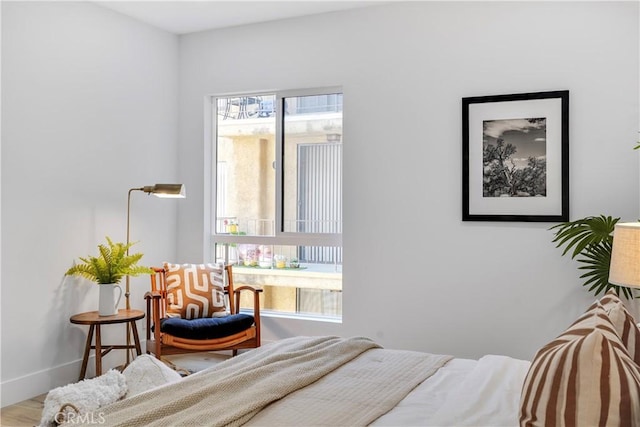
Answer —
(166, 190)
(625, 255)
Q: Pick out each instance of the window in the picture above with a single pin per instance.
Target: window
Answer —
(278, 196)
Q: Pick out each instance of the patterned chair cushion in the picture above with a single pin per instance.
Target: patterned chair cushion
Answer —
(206, 328)
(585, 377)
(624, 323)
(195, 290)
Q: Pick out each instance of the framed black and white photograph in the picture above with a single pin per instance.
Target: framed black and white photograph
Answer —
(515, 151)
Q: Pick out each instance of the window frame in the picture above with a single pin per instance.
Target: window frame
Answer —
(211, 169)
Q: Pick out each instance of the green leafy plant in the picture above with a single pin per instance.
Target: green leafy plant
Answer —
(111, 265)
(590, 240)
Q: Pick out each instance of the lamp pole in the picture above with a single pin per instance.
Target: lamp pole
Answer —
(126, 292)
(160, 190)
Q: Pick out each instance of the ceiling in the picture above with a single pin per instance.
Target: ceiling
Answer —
(182, 16)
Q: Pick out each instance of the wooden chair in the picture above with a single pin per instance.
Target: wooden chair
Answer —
(232, 332)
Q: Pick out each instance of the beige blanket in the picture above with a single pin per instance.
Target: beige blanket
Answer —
(356, 394)
(234, 391)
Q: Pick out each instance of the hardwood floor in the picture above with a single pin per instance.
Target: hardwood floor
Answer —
(26, 413)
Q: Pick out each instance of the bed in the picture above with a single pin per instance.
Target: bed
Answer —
(333, 381)
(588, 375)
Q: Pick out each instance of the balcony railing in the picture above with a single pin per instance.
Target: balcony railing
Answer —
(250, 107)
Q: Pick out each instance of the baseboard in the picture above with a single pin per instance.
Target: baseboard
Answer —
(40, 382)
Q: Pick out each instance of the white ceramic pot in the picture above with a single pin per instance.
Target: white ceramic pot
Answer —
(108, 303)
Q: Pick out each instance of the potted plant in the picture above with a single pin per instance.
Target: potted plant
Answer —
(591, 239)
(107, 270)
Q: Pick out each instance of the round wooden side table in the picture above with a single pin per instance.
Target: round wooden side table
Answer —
(94, 321)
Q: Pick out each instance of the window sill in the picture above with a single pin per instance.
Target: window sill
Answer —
(296, 316)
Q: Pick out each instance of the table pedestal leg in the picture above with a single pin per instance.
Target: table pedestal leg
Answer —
(98, 352)
(85, 358)
(136, 338)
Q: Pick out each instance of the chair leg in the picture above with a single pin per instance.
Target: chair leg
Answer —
(158, 350)
(234, 352)
(155, 349)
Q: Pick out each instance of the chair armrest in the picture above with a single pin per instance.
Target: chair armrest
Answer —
(153, 311)
(256, 299)
(256, 307)
(246, 288)
(152, 295)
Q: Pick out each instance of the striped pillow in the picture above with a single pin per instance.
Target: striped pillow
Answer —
(585, 377)
(624, 323)
(195, 290)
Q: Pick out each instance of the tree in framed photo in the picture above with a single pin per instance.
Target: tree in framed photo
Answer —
(514, 158)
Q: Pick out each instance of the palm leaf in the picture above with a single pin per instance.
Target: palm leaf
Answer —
(581, 233)
(595, 262)
(591, 240)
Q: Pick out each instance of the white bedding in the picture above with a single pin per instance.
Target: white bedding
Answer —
(464, 392)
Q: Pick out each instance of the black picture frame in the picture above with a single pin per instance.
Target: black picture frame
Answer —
(497, 185)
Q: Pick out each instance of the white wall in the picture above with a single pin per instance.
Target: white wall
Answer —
(89, 110)
(415, 275)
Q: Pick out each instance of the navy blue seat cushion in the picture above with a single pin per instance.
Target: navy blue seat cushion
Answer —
(206, 328)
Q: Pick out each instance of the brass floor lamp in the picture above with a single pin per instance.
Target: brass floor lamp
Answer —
(158, 190)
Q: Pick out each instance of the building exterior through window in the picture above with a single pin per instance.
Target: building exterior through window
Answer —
(277, 188)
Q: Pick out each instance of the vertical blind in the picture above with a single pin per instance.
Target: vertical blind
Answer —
(320, 197)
